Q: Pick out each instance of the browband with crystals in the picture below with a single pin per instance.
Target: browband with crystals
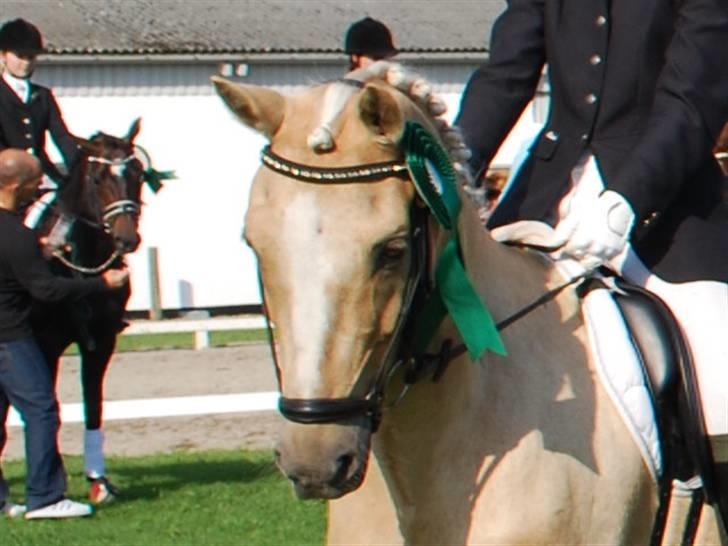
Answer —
(322, 175)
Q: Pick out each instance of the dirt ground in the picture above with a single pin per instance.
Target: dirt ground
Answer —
(163, 374)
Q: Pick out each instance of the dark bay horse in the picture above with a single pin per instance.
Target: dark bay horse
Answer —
(86, 229)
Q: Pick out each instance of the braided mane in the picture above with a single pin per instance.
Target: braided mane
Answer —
(413, 86)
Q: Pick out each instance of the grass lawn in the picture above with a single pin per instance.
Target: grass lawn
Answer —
(182, 340)
(213, 498)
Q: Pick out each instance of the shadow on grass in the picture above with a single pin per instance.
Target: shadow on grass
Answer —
(145, 477)
(145, 482)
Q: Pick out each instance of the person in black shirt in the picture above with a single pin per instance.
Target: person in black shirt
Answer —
(24, 378)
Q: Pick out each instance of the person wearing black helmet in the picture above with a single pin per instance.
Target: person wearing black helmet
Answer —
(28, 110)
(366, 41)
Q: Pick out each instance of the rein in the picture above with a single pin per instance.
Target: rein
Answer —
(333, 410)
(58, 254)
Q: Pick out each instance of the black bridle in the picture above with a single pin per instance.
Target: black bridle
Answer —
(397, 356)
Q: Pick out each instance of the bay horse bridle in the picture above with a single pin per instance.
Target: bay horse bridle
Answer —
(415, 366)
(108, 213)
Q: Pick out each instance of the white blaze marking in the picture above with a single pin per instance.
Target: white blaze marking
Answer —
(310, 270)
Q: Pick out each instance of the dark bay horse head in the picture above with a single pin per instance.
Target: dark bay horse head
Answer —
(105, 188)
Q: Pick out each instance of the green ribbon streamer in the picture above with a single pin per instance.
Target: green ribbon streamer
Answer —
(435, 180)
(154, 178)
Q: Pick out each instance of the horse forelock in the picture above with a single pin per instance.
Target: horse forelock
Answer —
(412, 86)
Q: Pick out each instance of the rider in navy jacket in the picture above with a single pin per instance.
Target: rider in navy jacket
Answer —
(643, 94)
(639, 96)
(28, 110)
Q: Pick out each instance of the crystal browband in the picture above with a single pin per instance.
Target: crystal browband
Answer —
(322, 175)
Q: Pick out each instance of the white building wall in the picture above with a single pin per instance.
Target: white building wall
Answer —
(196, 220)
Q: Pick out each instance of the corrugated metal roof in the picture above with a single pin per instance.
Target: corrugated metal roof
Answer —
(251, 26)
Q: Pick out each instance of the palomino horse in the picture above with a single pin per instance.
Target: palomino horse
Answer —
(90, 225)
(519, 449)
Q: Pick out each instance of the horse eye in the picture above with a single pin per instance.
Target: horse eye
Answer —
(390, 253)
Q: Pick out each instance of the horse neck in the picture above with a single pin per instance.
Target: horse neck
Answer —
(495, 399)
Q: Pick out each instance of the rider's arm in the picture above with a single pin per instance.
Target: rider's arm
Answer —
(62, 137)
(500, 89)
(688, 111)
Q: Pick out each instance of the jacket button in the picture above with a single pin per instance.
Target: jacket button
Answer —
(584, 137)
(601, 21)
(26, 121)
(595, 59)
(30, 150)
(552, 135)
(650, 218)
(28, 136)
(591, 98)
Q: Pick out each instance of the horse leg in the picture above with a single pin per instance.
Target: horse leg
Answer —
(94, 364)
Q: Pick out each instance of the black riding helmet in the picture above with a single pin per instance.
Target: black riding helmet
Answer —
(369, 37)
(20, 36)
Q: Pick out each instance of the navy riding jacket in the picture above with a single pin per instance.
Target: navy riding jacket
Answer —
(642, 85)
(24, 126)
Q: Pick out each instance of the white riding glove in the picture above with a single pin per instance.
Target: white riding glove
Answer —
(600, 233)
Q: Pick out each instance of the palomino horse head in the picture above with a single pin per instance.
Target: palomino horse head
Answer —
(112, 175)
(331, 221)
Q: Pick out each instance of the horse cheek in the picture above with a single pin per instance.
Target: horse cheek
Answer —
(390, 313)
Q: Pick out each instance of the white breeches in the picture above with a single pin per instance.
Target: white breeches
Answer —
(701, 307)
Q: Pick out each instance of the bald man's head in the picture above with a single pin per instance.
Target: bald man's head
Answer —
(18, 166)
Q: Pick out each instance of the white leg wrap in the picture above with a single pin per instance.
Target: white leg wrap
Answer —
(93, 453)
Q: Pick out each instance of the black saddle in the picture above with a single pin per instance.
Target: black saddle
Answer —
(671, 380)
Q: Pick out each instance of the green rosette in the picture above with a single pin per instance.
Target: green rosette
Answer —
(436, 182)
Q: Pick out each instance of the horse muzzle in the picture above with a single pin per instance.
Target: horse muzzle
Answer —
(323, 461)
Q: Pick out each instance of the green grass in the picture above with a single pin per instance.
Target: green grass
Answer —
(182, 340)
(214, 498)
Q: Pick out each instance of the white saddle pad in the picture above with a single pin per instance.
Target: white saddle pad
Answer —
(618, 363)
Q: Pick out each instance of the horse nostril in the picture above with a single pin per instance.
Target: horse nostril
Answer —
(343, 465)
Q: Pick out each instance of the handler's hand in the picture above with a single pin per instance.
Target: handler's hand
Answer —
(115, 278)
(600, 233)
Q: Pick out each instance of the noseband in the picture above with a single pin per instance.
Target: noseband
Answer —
(122, 206)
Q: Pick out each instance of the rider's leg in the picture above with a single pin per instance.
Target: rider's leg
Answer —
(701, 310)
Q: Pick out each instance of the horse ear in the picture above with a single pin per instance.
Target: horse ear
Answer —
(381, 113)
(133, 130)
(260, 108)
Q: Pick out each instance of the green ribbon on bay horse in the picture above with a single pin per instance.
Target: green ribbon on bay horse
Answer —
(154, 178)
(151, 176)
(435, 179)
